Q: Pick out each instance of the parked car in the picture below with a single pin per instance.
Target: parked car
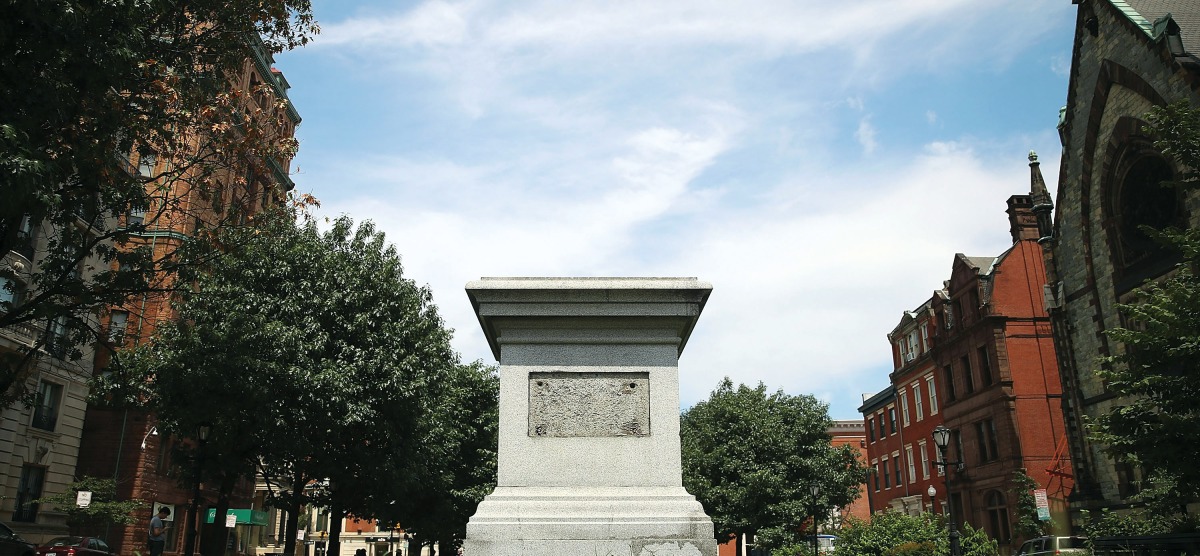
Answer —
(1054, 545)
(11, 544)
(74, 546)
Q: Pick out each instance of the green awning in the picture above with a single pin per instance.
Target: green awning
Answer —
(245, 516)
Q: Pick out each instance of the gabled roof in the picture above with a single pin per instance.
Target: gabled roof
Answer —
(1145, 13)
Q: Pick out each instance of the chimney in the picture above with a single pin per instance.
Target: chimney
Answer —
(1022, 223)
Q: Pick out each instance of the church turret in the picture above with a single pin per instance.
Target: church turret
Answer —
(1043, 207)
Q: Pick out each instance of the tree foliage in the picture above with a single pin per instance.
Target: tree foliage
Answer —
(105, 509)
(1027, 524)
(892, 533)
(1156, 372)
(454, 461)
(749, 457)
(113, 108)
(315, 360)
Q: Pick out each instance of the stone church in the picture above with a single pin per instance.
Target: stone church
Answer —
(1128, 56)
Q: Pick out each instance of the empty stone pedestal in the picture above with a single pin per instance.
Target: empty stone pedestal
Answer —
(589, 458)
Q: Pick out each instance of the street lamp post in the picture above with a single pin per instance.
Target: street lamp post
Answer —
(202, 433)
(815, 489)
(932, 492)
(941, 437)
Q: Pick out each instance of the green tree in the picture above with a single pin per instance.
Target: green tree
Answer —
(454, 463)
(1027, 525)
(91, 93)
(320, 355)
(894, 533)
(749, 457)
(104, 509)
(1156, 371)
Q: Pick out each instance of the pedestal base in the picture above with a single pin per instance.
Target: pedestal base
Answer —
(595, 521)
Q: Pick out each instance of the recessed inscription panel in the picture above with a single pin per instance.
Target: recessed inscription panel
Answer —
(589, 404)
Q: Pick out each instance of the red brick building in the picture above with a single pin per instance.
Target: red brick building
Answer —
(125, 444)
(978, 356)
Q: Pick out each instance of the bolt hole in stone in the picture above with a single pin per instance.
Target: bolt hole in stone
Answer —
(540, 430)
(540, 383)
(633, 385)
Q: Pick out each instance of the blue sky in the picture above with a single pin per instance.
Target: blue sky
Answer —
(820, 163)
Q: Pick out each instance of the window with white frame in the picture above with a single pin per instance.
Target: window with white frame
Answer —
(912, 464)
(924, 459)
(933, 401)
(904, 406)
(924, 337)
(918, 403)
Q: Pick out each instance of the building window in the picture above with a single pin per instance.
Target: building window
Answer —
(26, 237)
(875, 468)
(985, 431)
(924, 459)
(949, 376)
(924, 338)
(12, 294)
(904, 406)
(45, 410)
(997, 510)
(57, 337)
(116, 326)
(136, 217)
(887, 477)
(892, 419)
(146, 164)
(985, 366)
(879, 419)
(871, 429)
(912, 464)
(28, 490)
(968, 375)
(1142, 199)
(933, 401)
(918, 404)
(896, 468)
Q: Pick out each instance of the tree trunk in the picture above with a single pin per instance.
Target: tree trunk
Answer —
(336, 515)
(293, 515)
(216, 536)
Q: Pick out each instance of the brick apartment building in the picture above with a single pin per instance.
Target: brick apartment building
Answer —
(978, 357)
(125, 444)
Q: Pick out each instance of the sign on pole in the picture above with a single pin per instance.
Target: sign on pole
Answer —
(1043, 504)
(83, 498)
(231, 520)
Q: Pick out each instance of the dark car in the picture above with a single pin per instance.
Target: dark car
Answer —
(74, 546)
(11, 544)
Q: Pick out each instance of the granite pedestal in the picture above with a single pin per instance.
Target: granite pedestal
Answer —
(589, 456)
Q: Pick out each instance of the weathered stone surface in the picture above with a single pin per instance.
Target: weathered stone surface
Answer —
(589, 404)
